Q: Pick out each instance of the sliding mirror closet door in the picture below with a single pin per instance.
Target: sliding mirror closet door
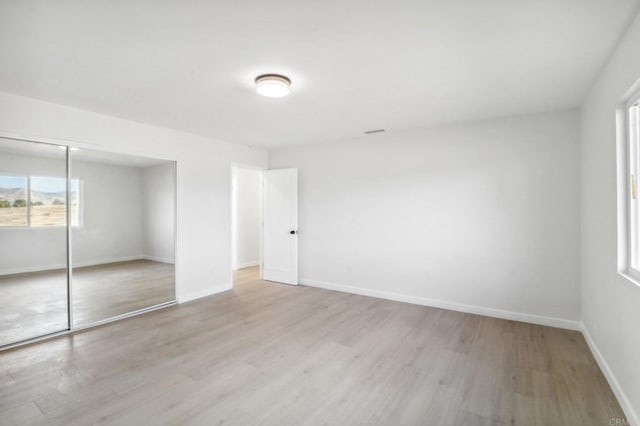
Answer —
(33, 240)
(123, 243)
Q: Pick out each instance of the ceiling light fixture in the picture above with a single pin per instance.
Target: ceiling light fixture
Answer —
(72, 148)
(273, 85)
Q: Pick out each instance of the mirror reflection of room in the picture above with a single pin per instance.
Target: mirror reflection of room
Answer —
(122, 216)
(123, 252)
(33, 240)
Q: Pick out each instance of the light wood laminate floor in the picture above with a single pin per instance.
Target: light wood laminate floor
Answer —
(273, 354)
(34, 304)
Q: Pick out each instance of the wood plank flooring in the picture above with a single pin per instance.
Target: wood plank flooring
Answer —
(273, 354)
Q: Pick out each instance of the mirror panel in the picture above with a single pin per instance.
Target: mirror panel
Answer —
(123, 235)
(33, 240)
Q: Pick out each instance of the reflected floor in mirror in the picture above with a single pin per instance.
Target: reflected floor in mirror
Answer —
(34, 304)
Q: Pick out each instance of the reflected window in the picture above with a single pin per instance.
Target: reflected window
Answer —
(38, 201)
(48, 199)
(13, 201)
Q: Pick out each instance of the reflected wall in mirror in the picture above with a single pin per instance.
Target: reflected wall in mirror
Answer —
(33, 239)
(123, 244)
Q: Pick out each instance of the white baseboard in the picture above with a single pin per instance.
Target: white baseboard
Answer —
(41, 268)
(106, 261)
(453, 306)
(209, 291)
(632, 416)
(243, 265)
(158, 259)
(33, 269)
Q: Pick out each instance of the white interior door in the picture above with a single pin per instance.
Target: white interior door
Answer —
(280, 226)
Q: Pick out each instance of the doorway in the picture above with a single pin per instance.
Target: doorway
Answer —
(246, 223)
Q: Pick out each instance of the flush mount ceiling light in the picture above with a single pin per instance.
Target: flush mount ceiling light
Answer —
(273, 85)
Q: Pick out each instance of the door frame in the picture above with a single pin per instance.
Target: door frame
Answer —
(246, 166)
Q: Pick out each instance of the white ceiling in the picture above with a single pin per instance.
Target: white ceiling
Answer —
(356, 65)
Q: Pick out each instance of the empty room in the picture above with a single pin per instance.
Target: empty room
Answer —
(320, 213)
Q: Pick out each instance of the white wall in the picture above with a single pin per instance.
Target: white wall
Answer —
(478, 217)
(610, 303)
(247, 205)
(203, 255)
(158, 218)
(107, 234)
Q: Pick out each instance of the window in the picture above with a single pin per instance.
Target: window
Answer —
(13, 201)
(38, 201)
(632, 116)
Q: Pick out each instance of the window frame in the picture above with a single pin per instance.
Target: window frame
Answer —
(28, 224)
(631, 126)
